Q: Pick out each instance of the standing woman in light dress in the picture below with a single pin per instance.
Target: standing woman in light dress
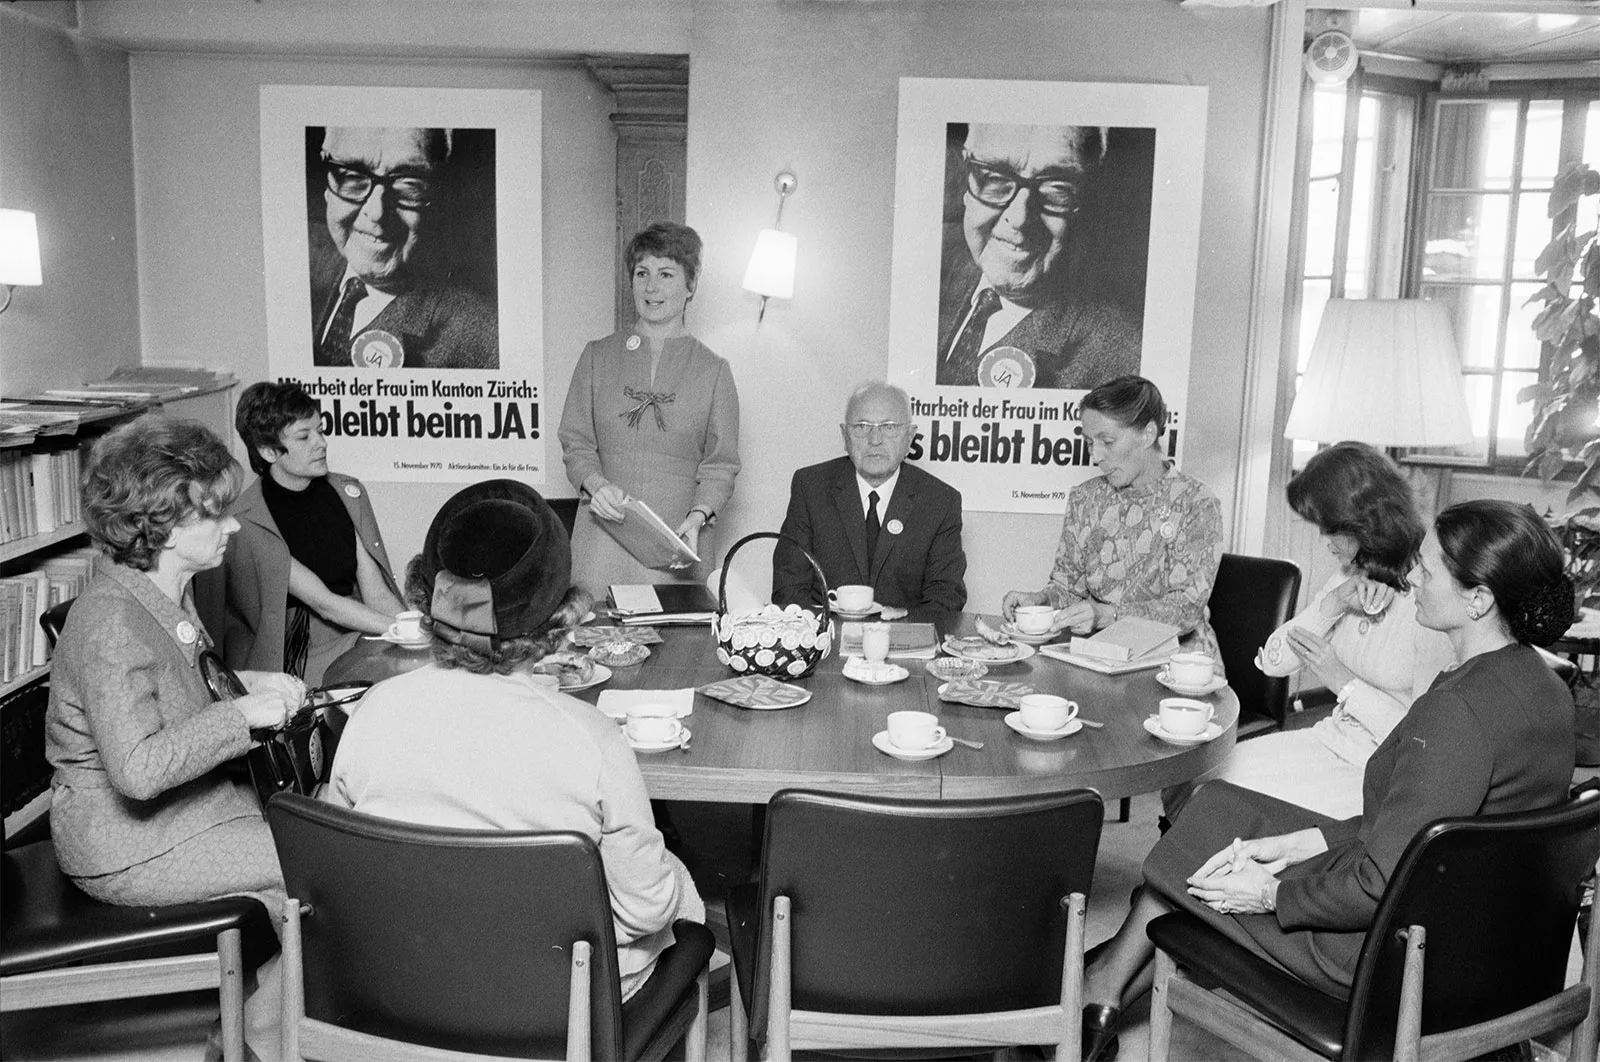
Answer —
(1140, 539)
(652, 414)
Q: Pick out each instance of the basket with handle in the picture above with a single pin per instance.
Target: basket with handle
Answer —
(785, 643)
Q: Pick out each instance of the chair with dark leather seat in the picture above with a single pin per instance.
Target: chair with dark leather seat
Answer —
(59, 946)
(54, 618)
(402, 938)
(1251, 598)
(915, 923)
(1467, 953)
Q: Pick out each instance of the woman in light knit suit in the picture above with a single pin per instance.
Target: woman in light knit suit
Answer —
(651, 413)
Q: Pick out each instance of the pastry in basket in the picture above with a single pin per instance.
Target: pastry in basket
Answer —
(976, 648)
(570, 669)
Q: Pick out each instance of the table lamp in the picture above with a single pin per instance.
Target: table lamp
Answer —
(1384, 372)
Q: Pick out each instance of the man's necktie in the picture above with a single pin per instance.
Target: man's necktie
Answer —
(335, 347)
(962, 366)
(873, 526)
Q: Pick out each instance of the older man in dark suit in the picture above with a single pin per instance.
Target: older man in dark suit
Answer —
(869, 519)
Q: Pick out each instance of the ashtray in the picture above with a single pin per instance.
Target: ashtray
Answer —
(951, 668)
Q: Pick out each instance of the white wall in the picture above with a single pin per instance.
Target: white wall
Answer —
(66, 154)
(813, 88)
(197, 167)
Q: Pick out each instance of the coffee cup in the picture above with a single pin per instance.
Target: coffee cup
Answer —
(1184, 717)
(875, 642)
(407, 627)
(1034, 619)
(1047, 712)
(1190, 669)
(652, 724)
(851, 598)
(914, 731)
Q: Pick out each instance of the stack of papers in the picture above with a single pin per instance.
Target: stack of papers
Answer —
(907, 641)
(666, 603)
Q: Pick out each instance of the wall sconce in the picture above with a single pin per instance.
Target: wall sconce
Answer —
(1384, 372)
(771, 271)
(19, 251)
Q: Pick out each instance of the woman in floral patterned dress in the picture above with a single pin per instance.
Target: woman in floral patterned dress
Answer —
(1140, 539)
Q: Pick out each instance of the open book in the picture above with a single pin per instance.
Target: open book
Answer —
(647, 536)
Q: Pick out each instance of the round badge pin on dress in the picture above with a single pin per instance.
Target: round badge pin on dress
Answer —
(377, 349)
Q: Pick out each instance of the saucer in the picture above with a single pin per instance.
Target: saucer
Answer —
(1031, 639)
(421, 642)
(1152, 725)
(1014, 721)
(855, 614)
(858, 669)
(1216, 683)
(657, 746)
(881, 742)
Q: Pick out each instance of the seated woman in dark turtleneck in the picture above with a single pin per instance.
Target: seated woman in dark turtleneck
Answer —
(307, 574)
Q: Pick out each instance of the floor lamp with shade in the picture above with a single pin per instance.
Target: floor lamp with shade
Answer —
(1384, 372)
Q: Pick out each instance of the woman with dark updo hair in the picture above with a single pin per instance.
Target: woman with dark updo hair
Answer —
(1494, 735)
(1140, 539)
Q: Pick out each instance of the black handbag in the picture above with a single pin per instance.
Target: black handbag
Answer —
(298, 756)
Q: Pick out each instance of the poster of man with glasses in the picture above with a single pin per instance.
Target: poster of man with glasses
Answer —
(1046, 237)
(393, 220)
(1041, 278)
(401, 225)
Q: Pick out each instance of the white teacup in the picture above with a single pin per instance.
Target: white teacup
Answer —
(1047, 712)
(407, 627)
(914, 731)
(851, 598)
(1034, 619)
(1191, 669)
(652, 724)
(1185, 717)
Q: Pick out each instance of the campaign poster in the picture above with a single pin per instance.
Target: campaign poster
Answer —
(403, 275)
(1046, 236)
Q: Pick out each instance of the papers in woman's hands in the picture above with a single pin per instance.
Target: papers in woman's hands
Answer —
(645, 535)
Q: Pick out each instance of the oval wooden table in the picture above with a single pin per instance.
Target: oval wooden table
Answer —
(742, 756)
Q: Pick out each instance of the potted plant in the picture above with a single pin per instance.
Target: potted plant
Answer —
(1566, 399)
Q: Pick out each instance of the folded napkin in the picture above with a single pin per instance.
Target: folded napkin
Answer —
(984, 693)
(589, 636)
(616, 703)
(756, 691)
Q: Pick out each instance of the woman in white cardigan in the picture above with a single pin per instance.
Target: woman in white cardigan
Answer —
(1358, 636)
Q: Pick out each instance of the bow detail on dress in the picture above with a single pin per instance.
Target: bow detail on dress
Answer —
(647, 400)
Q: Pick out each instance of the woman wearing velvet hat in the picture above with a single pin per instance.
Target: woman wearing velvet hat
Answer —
(1492, 735)
(494, 580)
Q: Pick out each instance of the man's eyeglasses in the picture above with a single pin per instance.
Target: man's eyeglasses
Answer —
(891, 429)
(354, 185)
(996, 186)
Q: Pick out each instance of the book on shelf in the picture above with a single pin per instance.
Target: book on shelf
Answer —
(39, 490)
(1128, 639)
(25, 597)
